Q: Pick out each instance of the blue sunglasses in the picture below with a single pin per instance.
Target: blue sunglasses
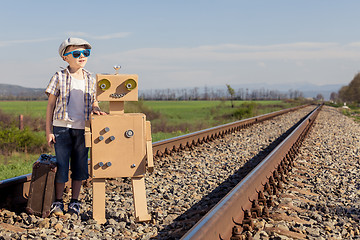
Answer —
(77, 53)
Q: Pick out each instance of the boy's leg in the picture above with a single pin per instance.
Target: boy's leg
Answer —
(63, 147)
(79, 161)
(74, 205)
(75, 186)
(79, 167)
(59, 190)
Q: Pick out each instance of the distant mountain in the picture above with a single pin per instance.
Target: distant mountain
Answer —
(308, 89)
(8, 90)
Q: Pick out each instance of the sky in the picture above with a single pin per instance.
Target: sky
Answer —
(187, 43)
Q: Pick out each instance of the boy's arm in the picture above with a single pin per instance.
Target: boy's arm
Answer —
(50, 138)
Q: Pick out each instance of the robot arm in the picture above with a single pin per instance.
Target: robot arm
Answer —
(87, 134)
(149, 150)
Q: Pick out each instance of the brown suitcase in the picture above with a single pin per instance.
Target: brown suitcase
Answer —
(42, 186)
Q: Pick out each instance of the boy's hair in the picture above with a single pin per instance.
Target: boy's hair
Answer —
(72, 42)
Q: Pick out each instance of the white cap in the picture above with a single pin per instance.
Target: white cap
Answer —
(72, 42)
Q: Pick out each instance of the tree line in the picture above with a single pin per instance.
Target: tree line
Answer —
(191, 94)
(207, 93)
(349, 93)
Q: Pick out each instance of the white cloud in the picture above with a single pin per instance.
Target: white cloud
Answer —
(112, 36)
(354, 44)
(209, 65)
(262, 64)
(299, 63)
(286, 46)
(75, 34)
(15, 42)
(101, 37)
(206, 65)
(232, 52)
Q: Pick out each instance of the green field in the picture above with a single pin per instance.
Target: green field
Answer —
(171, 108)
(179, 111)
(168, 119)
(32, 108)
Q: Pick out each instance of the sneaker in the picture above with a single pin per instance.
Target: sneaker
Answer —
(57, 208)
(74, 207)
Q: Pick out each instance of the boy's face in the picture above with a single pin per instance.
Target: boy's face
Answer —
(79, 62)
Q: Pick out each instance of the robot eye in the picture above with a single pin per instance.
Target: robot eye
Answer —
(130, 84)
(104, 84)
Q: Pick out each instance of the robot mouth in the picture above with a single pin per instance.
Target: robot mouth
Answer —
(117, 95)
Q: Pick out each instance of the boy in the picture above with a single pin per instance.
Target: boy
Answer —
(71, 99)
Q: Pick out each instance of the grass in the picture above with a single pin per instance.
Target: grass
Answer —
(163, 135)
(168, 119)
(203, 114)
(352, 111)
(30, 108)
(165, 116)
(16, 165)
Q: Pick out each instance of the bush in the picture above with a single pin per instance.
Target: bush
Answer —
(6, 119)
(33, 123)
(246, 111)
(139, 107)
(13, 139)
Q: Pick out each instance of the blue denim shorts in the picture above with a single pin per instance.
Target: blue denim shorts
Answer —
(70, 151)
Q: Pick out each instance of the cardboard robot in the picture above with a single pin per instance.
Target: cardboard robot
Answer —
(120, 143)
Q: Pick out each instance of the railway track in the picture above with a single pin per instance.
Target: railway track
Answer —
(320, 198)
(252, 197)
(15, 189)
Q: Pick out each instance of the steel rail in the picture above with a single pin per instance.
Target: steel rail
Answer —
(14, 191)
(173, 144)
(219, 221)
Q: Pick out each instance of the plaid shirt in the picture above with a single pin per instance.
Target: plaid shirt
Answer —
(59, 86)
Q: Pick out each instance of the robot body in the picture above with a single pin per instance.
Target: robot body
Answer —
(120, 143)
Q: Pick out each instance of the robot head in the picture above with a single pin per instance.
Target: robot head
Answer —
(117, 87)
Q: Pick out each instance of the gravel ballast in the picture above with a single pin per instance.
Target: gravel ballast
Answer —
(185, 185)
(322, 197)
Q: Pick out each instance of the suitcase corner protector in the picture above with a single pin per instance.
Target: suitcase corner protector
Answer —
(29, 210)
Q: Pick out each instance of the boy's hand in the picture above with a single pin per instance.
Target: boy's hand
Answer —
(50, 139)
(97, 111)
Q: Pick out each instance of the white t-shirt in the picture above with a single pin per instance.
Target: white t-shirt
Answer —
(75, 106)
